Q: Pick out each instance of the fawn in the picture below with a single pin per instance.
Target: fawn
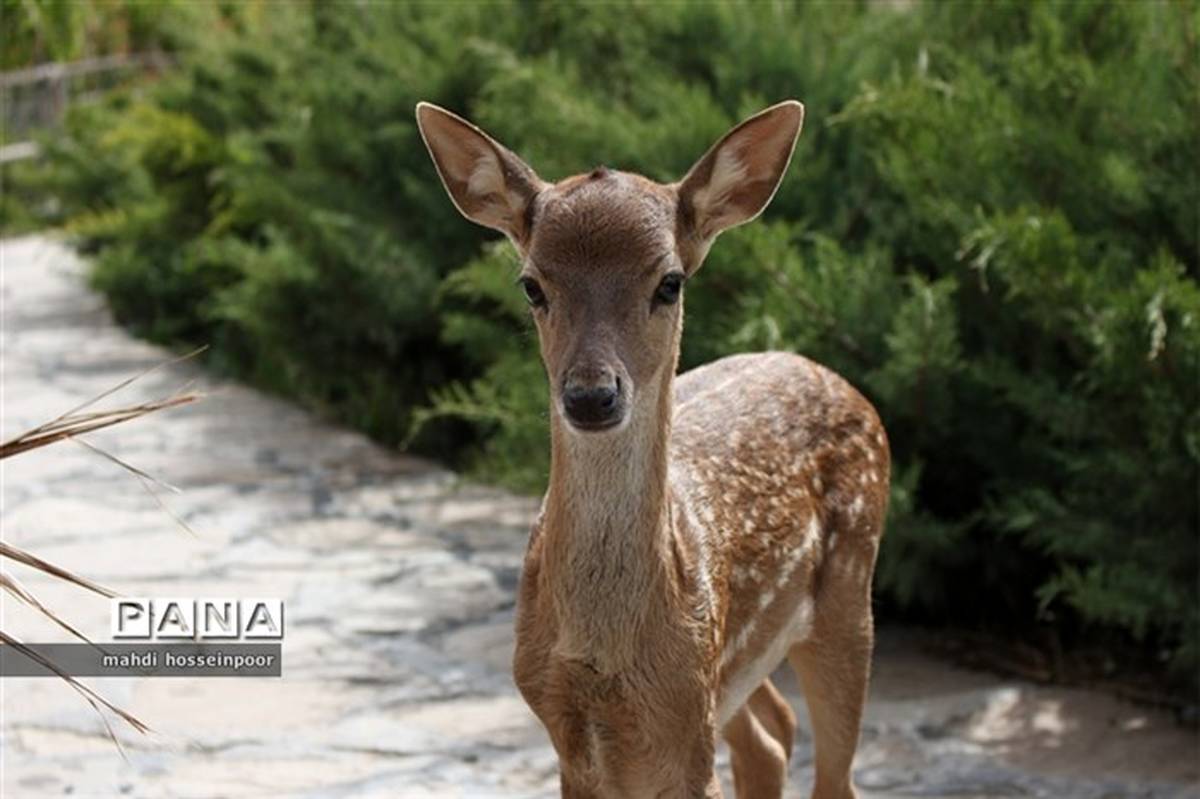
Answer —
(697, 530)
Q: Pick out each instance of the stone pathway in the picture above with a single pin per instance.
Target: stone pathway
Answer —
(398, 581)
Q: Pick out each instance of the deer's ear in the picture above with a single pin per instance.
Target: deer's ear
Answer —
(488, 183)
(736, 179)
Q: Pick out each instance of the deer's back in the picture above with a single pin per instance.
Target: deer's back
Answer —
(776, 413)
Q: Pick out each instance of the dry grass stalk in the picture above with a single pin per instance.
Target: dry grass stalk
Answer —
(98, 702)
(70, 425)
(78, 424)
(75, 422)
(10, 584)
(33, 561)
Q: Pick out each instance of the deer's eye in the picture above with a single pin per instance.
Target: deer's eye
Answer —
(668, 290)
(533, 292)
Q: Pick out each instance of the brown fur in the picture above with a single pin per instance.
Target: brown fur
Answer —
(729, 521)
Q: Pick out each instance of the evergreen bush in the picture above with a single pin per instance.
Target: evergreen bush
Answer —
(990, 227)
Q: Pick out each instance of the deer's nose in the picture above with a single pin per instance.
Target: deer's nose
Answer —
(593, 407)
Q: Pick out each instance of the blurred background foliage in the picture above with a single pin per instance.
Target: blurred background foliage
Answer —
(990, 227)
(37, 31)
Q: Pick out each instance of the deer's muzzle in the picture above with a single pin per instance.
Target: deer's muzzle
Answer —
(593, 407)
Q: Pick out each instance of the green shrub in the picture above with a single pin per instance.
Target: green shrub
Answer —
(36, 31)
(990, 227)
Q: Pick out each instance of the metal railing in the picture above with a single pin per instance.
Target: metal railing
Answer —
(38, 97)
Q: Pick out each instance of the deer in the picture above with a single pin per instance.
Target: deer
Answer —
(697, 530)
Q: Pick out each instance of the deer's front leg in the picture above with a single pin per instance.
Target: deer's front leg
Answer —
(698, 779)
(671, 773)
(573, 788)
(760, 742)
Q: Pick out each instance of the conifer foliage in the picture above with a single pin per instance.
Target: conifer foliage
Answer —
(990, 227)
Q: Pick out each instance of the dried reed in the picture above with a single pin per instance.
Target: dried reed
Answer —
(70, 426)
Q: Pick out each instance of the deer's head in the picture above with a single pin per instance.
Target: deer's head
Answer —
(605, 254)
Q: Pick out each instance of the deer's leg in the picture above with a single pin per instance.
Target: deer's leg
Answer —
(572, 790)
(775, 714)
(833, 665)
(760, 742)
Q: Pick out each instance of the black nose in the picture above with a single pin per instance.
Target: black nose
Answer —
(593, 407)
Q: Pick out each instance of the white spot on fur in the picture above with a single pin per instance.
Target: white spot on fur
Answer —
(857, 506)
(740, 685)
(798, 554)
(793, 559)
(739, 643)
(702, 568)
(709, 393)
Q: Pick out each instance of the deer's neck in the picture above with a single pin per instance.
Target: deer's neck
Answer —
(607, 528)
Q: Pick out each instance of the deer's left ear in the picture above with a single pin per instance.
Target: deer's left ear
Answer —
(736, 179)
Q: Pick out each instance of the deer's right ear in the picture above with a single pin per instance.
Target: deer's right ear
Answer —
(488, 183)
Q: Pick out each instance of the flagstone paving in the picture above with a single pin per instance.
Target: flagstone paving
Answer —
(398, 580)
